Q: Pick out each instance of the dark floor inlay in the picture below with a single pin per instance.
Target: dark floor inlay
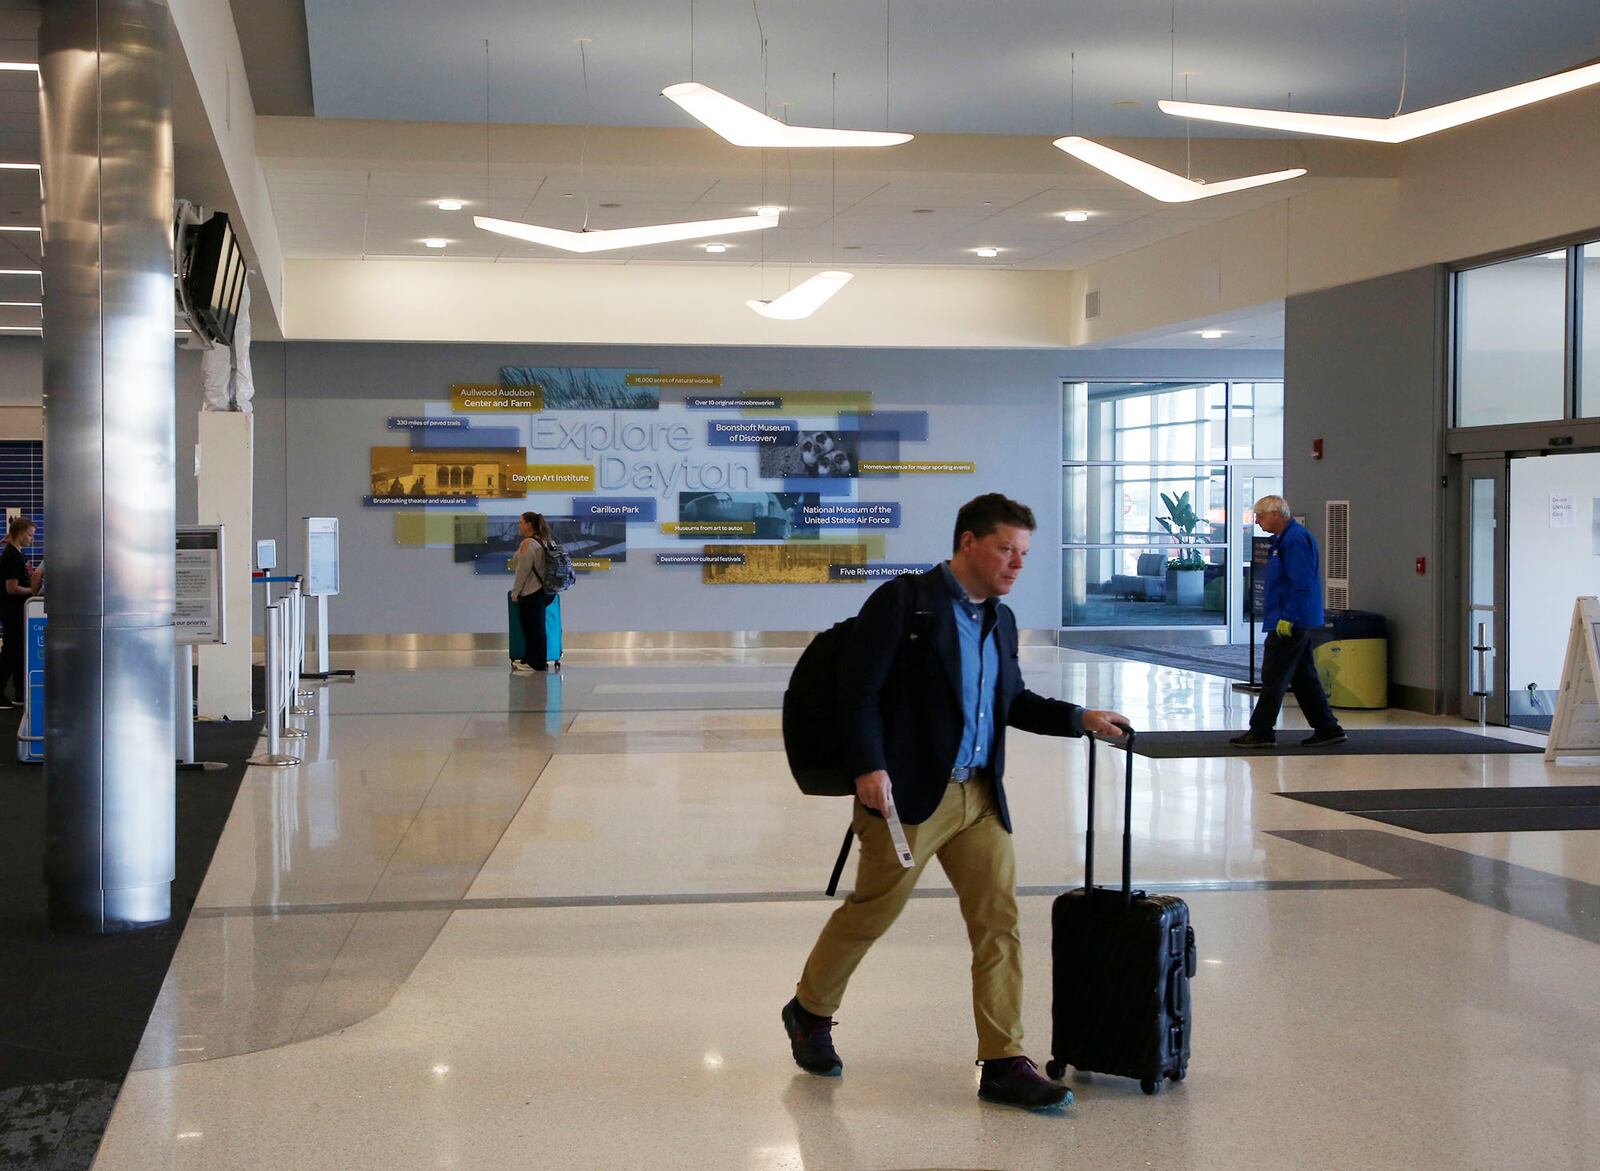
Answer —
(1361, 742)
(1463, 811)
(1568, 905)
(55, 1126)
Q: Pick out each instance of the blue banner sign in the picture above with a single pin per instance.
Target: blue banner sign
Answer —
(875, 571)
(424, 422)
(752, 433)
(879, 514)
(625, 508)
(723, 402)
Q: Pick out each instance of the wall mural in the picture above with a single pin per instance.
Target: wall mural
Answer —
(773, 486)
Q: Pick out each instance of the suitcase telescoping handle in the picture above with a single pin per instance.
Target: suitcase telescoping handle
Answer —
(1126, 743)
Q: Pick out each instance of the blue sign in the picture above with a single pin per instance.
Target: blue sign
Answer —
(752, 433)
(30, 738)
(625, 508)
(881, 514)
(875, 571)
(475, 437)
(429, 422)
(722, 402)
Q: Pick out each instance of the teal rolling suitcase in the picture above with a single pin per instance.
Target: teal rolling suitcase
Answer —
(552, 631)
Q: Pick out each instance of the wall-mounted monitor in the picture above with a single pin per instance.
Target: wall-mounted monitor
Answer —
(213, 276)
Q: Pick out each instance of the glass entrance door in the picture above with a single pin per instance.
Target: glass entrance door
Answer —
(1484, 534)
(1249, 482)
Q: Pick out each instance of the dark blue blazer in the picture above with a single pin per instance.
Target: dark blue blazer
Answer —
(900, 686)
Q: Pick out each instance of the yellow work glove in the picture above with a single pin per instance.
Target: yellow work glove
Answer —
(1285, 628)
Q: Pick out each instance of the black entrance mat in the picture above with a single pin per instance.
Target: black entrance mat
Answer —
(73, 1007)
(1468, 811)
(1361, 742)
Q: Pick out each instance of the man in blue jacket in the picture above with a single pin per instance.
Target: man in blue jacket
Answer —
(928, 683)
(1291, 611)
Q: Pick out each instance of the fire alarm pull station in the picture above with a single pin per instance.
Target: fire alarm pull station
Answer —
(1316, 449)
(1422, 566)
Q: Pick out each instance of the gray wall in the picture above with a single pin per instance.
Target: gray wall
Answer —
(321, 406)
(1364, 371)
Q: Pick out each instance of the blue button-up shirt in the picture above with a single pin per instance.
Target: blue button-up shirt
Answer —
(980, 668)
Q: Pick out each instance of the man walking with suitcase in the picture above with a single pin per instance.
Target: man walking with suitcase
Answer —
(928, 684)
(1291, 610)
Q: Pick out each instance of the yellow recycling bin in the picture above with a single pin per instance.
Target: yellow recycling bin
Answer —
(1352, 656)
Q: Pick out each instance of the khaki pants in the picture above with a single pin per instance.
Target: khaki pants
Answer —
(975, 850)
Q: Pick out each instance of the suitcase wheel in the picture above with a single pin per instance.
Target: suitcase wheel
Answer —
(1149, 1085)
(1056, 1069)
(556, 666)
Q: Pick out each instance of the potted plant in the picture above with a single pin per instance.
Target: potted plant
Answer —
(1186, 572)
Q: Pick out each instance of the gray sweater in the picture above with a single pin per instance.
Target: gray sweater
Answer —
(528, 565)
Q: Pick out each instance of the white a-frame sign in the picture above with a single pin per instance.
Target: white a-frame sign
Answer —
(1576, 730)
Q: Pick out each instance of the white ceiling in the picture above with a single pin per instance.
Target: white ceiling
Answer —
(880, 211)
(938, 66)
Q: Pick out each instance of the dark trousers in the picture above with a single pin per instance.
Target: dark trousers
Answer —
(530, 609)
(11, 657)
(1286, 664)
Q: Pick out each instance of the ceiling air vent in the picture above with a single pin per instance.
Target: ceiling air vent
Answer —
(1091, 305)
(1336, 555)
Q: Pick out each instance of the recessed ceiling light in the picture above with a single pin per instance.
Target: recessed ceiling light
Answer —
(1211, 335)
(14, 228)
(566, 195)
(1127, 104)
(1075, 217)
(716, 247)
(851, 247)
(450, 205)
(769, 209)
(21, 304)
(611, 205)
(922, 211)
(18, 67)
(19, 166)
(21, 272)
(434, 242)
(987, 252)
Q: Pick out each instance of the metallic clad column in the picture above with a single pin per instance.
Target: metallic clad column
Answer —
(106, 131)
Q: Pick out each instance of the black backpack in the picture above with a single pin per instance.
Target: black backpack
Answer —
(811, 717)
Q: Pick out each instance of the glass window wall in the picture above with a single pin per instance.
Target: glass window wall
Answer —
(1145, 496)
(1511, 341)
(1589, 335)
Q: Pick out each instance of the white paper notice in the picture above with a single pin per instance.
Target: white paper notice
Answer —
(1563, 510)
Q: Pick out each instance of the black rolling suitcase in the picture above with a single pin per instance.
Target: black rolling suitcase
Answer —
(1123, 961)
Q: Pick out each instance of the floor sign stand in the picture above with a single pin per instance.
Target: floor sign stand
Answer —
(322, 582)
(1576, 728)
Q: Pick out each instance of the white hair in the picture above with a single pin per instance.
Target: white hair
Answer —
(1269, 504)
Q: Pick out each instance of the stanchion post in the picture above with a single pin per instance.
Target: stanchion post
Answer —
(275, 757)
(1480, 651)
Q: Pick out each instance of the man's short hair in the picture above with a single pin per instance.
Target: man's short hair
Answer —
(982, 515)
(1275, 504)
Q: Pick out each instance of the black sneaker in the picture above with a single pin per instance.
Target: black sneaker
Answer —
(811, 1040)
(1253, 739)
(1016, 1081)
(1324, 739)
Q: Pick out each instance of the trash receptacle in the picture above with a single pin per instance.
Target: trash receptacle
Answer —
(1352, 656)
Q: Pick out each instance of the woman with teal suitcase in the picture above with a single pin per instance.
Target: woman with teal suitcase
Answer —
(534, 611)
